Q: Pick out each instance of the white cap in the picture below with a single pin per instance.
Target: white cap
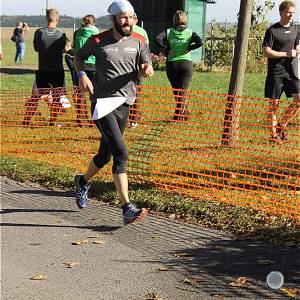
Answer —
(120, 6)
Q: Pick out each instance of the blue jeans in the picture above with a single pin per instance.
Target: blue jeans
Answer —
(20, 51)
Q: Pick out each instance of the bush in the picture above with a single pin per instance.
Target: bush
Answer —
(158, 62)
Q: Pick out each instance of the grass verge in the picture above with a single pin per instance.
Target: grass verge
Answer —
(242, 222)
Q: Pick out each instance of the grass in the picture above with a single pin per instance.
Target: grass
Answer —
(243, 222)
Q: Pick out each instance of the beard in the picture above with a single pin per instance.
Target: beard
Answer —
(121, 30)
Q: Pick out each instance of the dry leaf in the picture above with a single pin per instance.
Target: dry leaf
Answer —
(183, 254)
(239, 282)
(290, 292)
(163, 269)
(80, 242)
(99, 242)
(190, 280)
(154, 296)
(38, 277)
(265, 262)
(93, 237)
(172, 216)
(71, 264)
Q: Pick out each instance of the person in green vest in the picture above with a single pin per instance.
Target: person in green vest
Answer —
(135, 113)
(81, 35)
(178, 42)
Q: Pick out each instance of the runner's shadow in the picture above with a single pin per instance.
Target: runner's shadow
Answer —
(45, 192)
(11, 211)
(102, 228)
(16, 71)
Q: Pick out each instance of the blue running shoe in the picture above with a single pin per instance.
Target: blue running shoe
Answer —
(132, 214)
(81, 192)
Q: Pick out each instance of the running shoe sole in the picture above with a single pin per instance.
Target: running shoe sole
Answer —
(141, 216)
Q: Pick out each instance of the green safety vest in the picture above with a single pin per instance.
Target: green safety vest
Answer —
(179, 42)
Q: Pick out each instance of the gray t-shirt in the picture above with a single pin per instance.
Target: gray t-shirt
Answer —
(117, 64)
(50, 44)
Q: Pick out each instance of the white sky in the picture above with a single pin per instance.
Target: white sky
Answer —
(223, 10)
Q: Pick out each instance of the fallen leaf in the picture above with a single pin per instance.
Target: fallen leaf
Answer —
(290, 292)
(71, 264)
(239, 282)
(265, 262)
(93, 236)
(153, 296)
(172, 216)
(80, 242)
(183, 254)
(99, 242)
(38, 277)
(190, 280)
(163, 269)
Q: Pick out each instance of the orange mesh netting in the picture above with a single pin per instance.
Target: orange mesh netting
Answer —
(189, 150)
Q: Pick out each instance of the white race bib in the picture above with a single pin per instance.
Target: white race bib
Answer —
(105, 106)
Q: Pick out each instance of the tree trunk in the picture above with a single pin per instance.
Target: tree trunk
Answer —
(230, 136)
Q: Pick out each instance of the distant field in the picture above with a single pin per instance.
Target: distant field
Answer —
(8, 46)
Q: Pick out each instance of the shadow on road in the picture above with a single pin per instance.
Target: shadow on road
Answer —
(16, 71)
(45, 193)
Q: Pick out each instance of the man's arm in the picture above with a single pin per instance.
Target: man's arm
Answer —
(35, 43)
(79, 62)
(146, 62)
(268, 52)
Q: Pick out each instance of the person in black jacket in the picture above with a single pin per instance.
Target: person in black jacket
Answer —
(178, 41)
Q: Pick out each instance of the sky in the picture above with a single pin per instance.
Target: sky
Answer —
(223, 10)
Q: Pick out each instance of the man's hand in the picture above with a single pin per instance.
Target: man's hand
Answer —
(86, 85)
(292, 53)
(147, 70)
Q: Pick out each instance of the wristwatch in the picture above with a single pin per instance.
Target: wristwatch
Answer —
(81, 74)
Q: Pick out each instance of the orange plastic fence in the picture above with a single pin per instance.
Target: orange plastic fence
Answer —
(189, 150)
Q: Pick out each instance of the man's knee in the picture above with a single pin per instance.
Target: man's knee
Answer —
(101, 160)
(296, 100)
(120, 162)
(273, 106)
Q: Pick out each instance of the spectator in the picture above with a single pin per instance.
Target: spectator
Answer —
(178, 41)
(135, 114)
(280, 46)
(120, 54)
(50, 44)
(80, 37)
(19, 33)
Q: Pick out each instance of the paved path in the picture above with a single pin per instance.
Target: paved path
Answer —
(39, 226)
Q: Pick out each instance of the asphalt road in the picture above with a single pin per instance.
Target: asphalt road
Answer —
(154, 259)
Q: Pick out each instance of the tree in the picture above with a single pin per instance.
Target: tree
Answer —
(230, 134)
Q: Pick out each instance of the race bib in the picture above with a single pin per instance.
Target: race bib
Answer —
(105, 106)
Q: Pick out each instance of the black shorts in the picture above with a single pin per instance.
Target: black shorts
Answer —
(50, 79)
(275, 86)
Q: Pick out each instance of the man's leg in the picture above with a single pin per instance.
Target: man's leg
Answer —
(271, 115)
(121, 183)
(290, 111)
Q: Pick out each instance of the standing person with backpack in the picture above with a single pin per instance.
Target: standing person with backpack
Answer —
(178, 43)
(18, 37)
(81, 35)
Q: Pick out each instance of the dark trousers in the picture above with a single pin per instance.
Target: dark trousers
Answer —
(112, 142)
(180, 75)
